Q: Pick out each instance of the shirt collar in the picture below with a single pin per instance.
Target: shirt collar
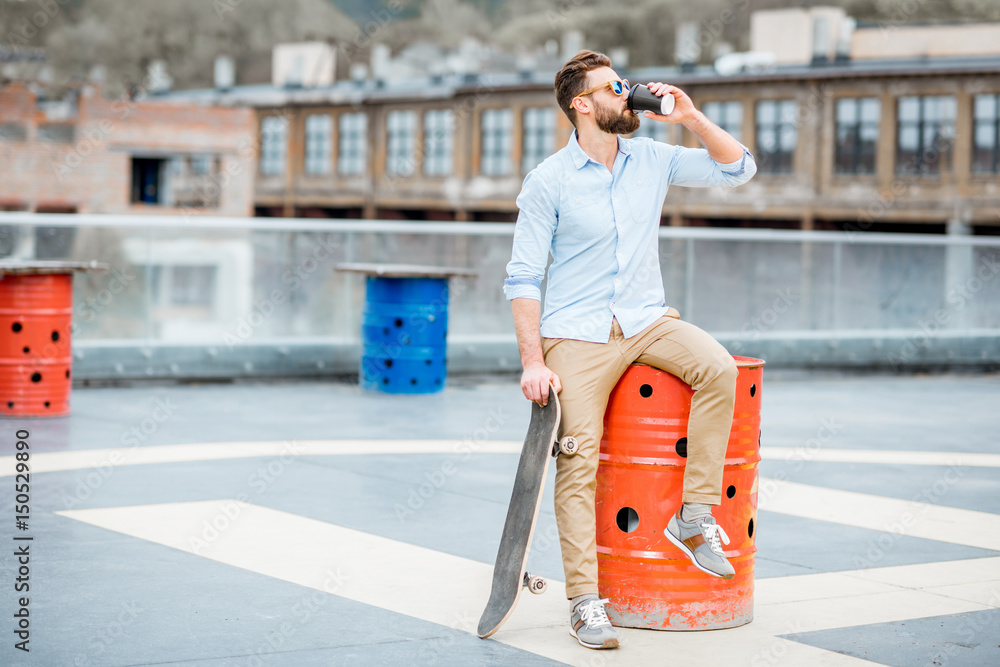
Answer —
(580, 157)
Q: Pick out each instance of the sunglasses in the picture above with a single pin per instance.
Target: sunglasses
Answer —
(618, 87)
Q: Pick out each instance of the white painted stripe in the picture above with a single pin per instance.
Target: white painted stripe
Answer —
(451, 591)
(93, 458)
(126, 456)
(901, 517)
(956, 459)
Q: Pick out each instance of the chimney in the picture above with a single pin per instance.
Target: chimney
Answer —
(381, 61)
(686, 49)
(572, 43)
(158, 78)
(225, 73)
(821, 41)
(844, 38)
(359, 72)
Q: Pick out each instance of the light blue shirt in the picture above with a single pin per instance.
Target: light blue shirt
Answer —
(601, 228)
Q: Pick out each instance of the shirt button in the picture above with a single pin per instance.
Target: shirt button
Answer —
(577, 200)
(640, 182)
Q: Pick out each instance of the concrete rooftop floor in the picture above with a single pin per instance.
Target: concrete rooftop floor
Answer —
(141, 554)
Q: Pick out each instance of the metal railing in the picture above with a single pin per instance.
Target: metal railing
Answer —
(195, 296)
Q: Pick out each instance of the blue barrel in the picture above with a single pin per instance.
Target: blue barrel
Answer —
(404, 335)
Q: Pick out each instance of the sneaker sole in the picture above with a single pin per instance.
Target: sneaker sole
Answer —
(608, 643)
(690, 554)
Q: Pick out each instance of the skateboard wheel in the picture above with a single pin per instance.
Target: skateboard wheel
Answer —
(537, 585)
(568, 445)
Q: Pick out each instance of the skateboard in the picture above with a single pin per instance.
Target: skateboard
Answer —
(510, 576)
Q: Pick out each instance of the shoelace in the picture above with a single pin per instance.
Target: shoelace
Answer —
(712, 532)
(593, 613)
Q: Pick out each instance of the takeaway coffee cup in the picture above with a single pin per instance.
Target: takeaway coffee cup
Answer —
(641, 99)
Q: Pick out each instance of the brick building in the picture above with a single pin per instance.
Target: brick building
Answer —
(86, 154)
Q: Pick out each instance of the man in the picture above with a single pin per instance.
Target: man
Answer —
(596, 204)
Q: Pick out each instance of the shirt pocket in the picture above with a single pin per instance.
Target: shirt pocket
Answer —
(583, 217)
(644, 202)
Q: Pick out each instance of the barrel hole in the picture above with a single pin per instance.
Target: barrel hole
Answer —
(627, 519)
(27, 350)
(10, 404)
(16, 327)
(731, 491)
(413, 381)
(753, 390)
(55, 336)
(398, 322)
(36, 377)
(682, 448)
(46, 404)
(385, 380)
(67, 375)
(759, 435)
(645, 391)
(428, 362)
(437, 380)
(388, 363)
(385, 331)
(750, 528)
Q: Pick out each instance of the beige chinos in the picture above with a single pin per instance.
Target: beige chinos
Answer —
(588, 372)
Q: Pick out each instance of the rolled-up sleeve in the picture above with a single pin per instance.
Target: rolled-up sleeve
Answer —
(536, 223)
(693, 167)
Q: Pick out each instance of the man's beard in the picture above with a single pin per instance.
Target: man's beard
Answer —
(616, 122)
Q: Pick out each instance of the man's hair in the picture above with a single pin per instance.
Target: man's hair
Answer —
(572, 79)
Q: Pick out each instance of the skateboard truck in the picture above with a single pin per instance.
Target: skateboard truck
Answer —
(536, 585)
(567, 446)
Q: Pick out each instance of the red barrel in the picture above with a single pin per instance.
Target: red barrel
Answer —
(36, 312)
(648, 581)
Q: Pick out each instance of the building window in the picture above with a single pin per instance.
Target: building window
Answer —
(926, 131)
(147, 180)
(539, 136)
(57, 133)
(777, 132)
(200, 165)
(439, 142)
(496, 142)
(857, 134)
(986, 148)
(273, 144)
(401, 142)
(654, 129)
(319, 128)
(13, 132)
(194, 182)
(351, 142)
(727, 115)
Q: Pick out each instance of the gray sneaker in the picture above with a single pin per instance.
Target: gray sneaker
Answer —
(700, 541)
(590, 625)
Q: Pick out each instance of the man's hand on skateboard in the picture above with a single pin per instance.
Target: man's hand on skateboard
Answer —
(535, 382)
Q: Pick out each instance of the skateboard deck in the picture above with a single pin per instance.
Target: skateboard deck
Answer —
(509, 574)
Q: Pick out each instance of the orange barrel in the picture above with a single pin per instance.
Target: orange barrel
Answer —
(36, 314)
(648, 581)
